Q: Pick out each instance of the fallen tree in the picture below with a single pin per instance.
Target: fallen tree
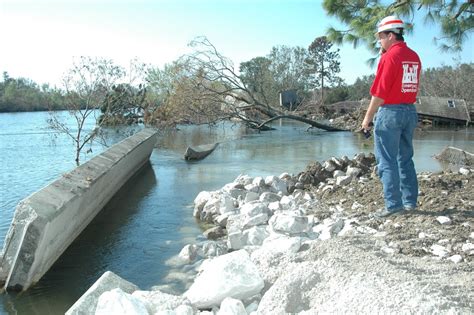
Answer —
(208, 88)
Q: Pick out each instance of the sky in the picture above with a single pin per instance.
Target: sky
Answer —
(41, 38)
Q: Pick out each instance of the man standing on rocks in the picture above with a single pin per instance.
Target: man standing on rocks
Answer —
(394, 93)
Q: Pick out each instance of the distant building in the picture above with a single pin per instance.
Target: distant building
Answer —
(289, 99)
(441, 110)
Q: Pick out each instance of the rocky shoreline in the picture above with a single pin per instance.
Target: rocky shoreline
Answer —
(308, 244)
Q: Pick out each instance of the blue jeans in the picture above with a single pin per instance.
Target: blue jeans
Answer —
(393, 136)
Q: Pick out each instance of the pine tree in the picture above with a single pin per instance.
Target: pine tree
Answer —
(323, 64)
(454, 17)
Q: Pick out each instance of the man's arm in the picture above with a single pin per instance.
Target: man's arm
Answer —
(375, 102)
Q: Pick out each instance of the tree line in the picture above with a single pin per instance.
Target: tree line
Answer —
(22, 95)
(204, 86)
(265, 76)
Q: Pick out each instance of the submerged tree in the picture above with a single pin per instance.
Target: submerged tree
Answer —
(213, 90)
(86, 85)
(454, 17)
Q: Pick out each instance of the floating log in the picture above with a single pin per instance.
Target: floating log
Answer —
(199, 152)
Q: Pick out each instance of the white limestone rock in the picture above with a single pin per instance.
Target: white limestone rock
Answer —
(269, 179)
(467, 247)
(253, 208)
(253, 188)
(251, 196)
(235, 222)
(353, 171)
(235, 239)
(258, 219)
(211, 208)
(221, 220)
(231, 275)
(258, 181)
(268, 197)
(278, 243)
(343, 180)
(200, 200)
(289, 224)
(230, 306)
(155, 301)
(188, 253)
(276, 185)
(184, 310)
(347, 228)
(237, 193)
(88, 301)
(439, 250)
(329, 228)
(443, 220)
(455, 258)
(464, 171)
(255, 235)
(329, 166)
(226, 204)
(286, 201)
(274, 206)
(118, 302)
(252, 307)
(212, 249)
(338, 173)
(243, 180)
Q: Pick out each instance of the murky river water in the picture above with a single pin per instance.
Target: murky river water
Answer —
(150, 219)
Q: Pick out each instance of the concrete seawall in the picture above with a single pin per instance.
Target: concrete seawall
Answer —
(49, 220)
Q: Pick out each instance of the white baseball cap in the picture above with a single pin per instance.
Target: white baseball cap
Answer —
(390, 23)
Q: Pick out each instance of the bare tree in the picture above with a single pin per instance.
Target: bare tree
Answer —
(447, 81)
(86, 85)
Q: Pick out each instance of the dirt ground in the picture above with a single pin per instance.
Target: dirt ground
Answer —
(413, 233)
(444, 194)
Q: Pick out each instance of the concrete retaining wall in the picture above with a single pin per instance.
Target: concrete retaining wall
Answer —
(49, 220)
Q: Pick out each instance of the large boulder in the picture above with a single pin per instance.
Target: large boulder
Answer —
(88, 301)
(156, 300)
(230, 306)
(118, 302)
(289, 224)
(231, 275)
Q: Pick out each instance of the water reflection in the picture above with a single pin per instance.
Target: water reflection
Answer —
(150, 219)
(112, 241)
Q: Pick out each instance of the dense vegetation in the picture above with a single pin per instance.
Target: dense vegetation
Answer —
(21, 94)
(204, 87)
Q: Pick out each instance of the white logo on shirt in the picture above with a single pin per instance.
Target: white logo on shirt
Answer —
(410, 77)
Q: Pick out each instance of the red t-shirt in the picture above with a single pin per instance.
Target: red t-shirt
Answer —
(398, 75)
